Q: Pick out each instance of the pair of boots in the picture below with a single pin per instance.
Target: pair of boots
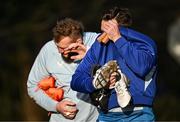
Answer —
(102, 78)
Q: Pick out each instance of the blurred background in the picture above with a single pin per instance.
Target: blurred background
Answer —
(26, 25)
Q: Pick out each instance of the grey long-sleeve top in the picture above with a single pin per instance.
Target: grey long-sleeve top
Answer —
(49, 62)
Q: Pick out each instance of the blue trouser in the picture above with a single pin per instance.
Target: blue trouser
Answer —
(145, 115)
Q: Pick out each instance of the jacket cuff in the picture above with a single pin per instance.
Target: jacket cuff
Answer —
(120, 42)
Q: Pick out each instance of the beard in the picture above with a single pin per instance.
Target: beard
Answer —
(67, 58)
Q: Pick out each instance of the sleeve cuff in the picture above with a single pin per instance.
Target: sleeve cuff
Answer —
(120, 42)
(52, 106)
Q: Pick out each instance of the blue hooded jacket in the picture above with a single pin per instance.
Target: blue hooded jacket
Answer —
(136, 55)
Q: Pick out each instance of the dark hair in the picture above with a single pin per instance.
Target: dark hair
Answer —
(121, 15)
(67, 27)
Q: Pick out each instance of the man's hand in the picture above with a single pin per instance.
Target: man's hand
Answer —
(111, 29)
(78, 48)
(67, 108)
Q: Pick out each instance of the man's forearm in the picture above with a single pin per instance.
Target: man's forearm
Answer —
(42, 99)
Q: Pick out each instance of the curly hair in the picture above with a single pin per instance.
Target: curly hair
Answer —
(121, 15)
(67, 27)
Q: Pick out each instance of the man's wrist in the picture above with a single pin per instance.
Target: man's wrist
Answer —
(116, 38)
(57, 107)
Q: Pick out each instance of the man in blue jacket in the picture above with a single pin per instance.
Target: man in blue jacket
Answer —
(136, 55)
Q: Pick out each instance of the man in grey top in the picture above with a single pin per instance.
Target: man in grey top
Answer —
(59, 58)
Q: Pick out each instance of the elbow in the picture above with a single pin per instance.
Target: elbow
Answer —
(30, 92)
(144, 69)
(31, 89)
(145, 64)
(142, 72)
